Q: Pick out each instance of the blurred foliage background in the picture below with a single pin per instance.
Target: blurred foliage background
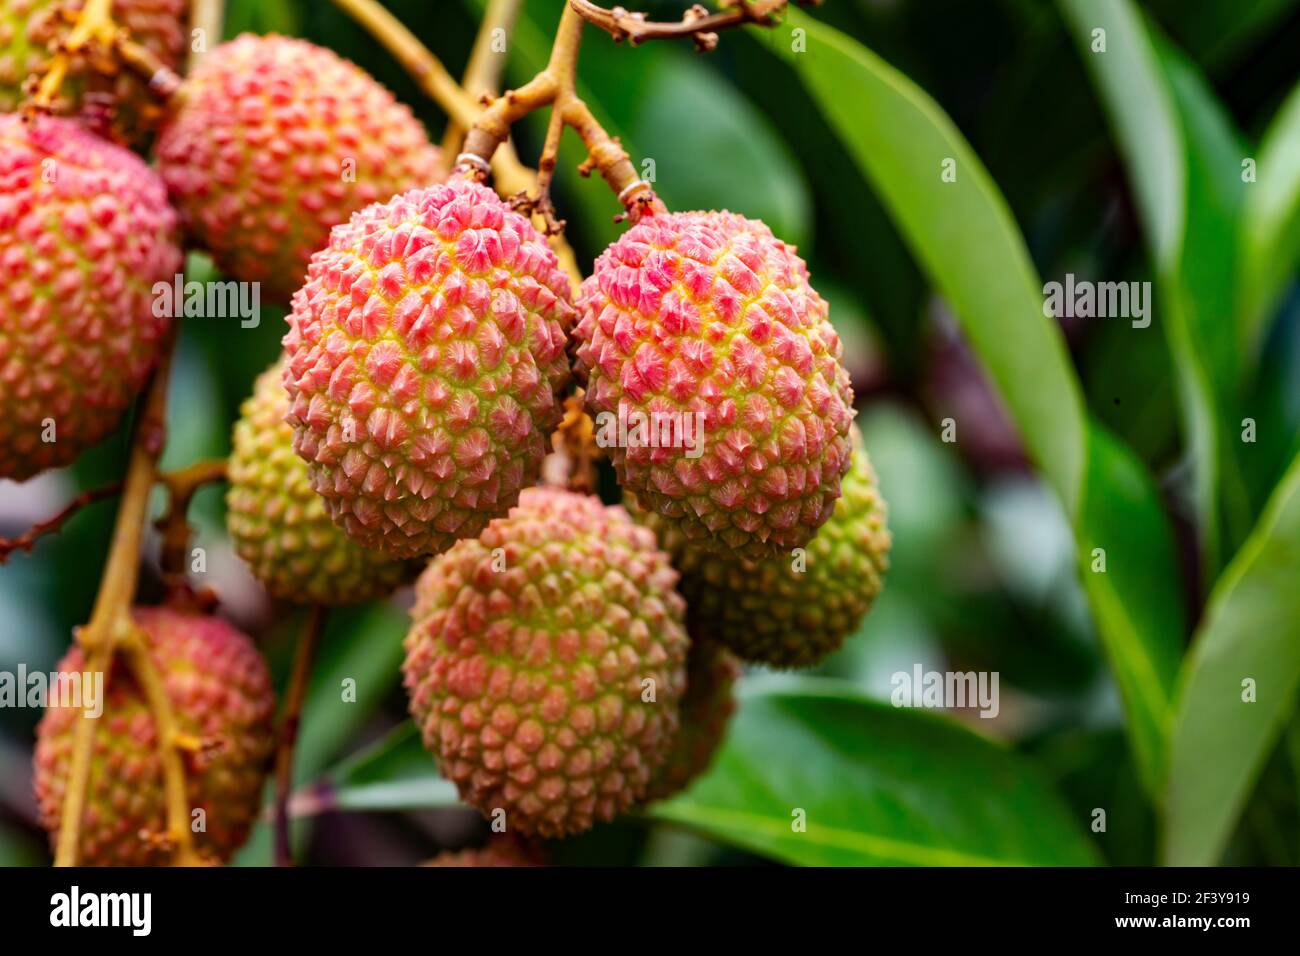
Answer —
(984, 572)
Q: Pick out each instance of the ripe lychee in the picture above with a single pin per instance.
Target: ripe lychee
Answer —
(272, 142)
(547, 661)
(503, 851)
(85, 233)
(221, 696)
(279, 525)
(793, 610)
(711, 673)
(29, 27)
(703, 342)
(426, 354)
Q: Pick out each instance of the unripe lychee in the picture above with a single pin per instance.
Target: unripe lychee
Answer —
(272, 142)
(793, 610)
(426, 354)
(711, 673)
(29, 27)
(547, 661)
(708, 314)
(221, 696)
(279, 525)
(85, 232)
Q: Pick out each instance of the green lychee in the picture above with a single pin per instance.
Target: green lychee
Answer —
(793, 610)
(280, 527)
(711, 674)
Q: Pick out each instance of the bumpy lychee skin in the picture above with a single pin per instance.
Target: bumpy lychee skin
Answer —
(499, 852)
(279, 526)
(220, 692)
(709, 314)
(274, 141)
(85, 232)
(426, 355)
(794, 610)
(547, 661)
(711, 673)
(29, 27)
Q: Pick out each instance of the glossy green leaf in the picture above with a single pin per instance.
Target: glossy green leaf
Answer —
(1183, 158)
(1270, 227)
(1251, 632)
(875, 785)
(964, 235)
(394, 773)
(962, 232)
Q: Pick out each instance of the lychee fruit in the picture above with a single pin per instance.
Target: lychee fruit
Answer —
(711, 674)
(426, 356)
(715, 380)
(793, 610)
(279, 526)
(221, 697)
(547, 661)
(85, 233)
(499, 852)
(28, 28)
(272, 142)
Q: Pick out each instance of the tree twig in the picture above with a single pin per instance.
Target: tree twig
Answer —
(556, 86)
(179, 835)
(208, 16)
(698, 22)
(304, 656)
(27, 540)
(110, 621)
(174, 525)
(427, 70)
(486, 65)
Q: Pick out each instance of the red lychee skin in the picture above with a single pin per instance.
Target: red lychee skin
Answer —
(85, 233)
(500, 852)
(274, 141)
(530, 657)
(221, 694)
(426, 354)
(708, 312)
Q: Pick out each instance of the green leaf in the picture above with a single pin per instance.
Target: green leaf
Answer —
(962, 232)
(968, 242)
(362, 645)
(877, 785)
(1270, 227)
(1251, 630)
(1183, 158)
(394, 773)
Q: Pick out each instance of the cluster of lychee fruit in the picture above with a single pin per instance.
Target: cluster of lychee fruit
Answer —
(568, 660)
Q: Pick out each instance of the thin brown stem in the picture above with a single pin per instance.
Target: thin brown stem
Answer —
(179, 836)
(208, 16)
(303, 658)
(94, 24)
(27, 540)
(556, 86)
(510, 174)
(175, 528)
(486, 64)
(110, 621)
(698, 23)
